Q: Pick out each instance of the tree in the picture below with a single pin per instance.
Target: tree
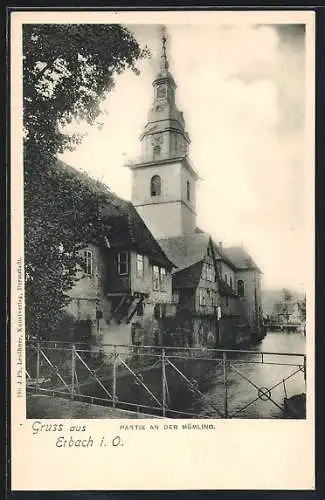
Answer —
(286, 303)
(286, 295)
(302, 307)
(67, 72)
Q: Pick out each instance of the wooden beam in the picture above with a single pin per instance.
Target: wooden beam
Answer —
(134, 310)
(120, 304)
(116, 294)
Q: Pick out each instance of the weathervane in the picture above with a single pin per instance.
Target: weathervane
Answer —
(163, 61)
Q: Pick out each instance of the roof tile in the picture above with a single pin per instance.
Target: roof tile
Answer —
(122, 225)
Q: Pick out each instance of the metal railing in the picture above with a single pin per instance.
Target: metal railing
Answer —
(156, 380)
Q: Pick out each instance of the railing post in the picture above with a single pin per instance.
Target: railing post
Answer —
(73, 368)
(163, 377)
(305, 371)
(225, 383)
(38, 361)
(114, 378)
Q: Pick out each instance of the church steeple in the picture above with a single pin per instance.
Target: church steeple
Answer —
(165, 135)
(163, 188)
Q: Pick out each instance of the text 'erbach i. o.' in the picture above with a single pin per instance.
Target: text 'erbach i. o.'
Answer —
(79, 436)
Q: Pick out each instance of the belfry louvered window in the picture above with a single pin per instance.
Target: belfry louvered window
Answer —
(155, 185)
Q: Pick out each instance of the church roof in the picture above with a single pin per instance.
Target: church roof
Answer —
(240, 258)
(187, 250)
(122, 225)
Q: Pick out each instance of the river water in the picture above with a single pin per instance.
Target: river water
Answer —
(243, 392)
(254, 389)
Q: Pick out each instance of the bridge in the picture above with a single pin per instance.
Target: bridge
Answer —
(285, 327)
(151, 380)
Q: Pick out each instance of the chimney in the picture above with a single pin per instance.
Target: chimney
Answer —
(220, 245)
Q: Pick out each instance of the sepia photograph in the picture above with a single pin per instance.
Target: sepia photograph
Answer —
(164, 221)
(162, 168)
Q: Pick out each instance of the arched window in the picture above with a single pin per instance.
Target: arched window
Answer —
(155, 185)
(188, 190)
(156, 152)
(240, 288)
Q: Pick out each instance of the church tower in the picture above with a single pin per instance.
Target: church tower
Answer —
(163, 180)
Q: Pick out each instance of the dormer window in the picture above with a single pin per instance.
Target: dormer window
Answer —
(155, 185)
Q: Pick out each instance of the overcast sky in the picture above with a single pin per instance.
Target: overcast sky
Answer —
(242, 91)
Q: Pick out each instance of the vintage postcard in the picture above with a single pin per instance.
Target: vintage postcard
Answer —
(162, 218)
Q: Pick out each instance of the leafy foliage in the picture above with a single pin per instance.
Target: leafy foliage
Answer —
(287, 295)
(67, 72)
(302, 307)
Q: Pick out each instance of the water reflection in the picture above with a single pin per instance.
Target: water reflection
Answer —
(246, 381)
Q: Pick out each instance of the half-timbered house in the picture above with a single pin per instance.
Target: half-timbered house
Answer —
(125, 279)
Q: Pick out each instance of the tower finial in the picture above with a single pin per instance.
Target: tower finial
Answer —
(163, 58)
